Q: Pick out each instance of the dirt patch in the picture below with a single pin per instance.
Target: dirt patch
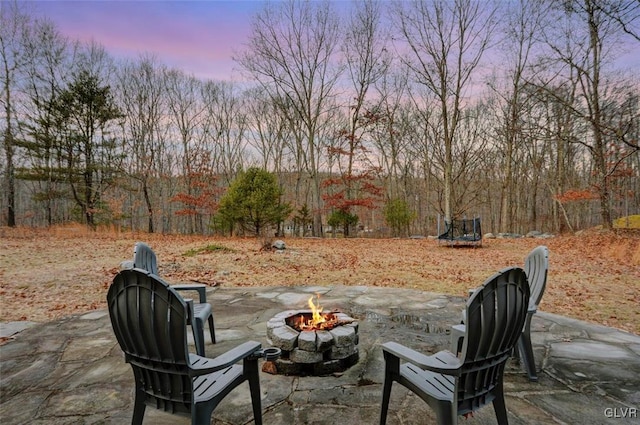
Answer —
(48, 274)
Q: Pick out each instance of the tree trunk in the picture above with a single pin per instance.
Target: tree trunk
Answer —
(147, 200)
(10, 174)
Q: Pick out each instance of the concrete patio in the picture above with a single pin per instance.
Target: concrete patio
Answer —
(71, 371)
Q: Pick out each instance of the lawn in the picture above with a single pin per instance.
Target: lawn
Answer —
(48, 274)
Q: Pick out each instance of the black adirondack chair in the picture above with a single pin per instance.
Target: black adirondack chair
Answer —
(536, 266)
(149, 320)
(144, 258)
(452, 385)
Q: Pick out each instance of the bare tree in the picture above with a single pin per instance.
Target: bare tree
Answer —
(142, 92)
(446, 41)
(270, 130)
(584, 46)
(390, 134)
(367, 61)
(226, 124)
(187, 114)
(48, 55)
(525, 20)
(14, 28)
(291, 54)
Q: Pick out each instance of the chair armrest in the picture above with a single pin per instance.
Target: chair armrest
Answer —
(459, 329)
(443, 362)
(201, 288)
(203, 365)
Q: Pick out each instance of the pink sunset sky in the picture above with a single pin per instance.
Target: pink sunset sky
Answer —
(198, 37)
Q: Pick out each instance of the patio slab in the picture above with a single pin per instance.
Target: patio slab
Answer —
(71, 371)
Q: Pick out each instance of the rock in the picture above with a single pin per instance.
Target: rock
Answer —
(278, 244)
(270, 367)
(509, 235)
(489, 236)
(539, 235)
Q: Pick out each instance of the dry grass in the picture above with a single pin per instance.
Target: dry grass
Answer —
(47, 274)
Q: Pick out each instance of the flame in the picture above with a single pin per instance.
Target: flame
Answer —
(317, 318)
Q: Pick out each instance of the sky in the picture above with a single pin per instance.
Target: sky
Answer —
(198, 37)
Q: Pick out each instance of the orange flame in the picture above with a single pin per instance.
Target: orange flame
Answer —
(317, 318)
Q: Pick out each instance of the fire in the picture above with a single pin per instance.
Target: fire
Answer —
(317, 319)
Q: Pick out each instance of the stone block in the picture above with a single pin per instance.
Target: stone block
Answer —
(307, 341)
(275, 323)
(283, 337)
(301, 356)
(344, 336)
(354, 325)
(328, 367)
(324, 340)
(287, 367)
(342, 316)
(339, 353)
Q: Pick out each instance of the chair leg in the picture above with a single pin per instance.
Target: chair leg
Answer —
(499, 405)
(198, 336)
(446, 414)
(525, 351)
(391, 371)
(212, 329)
(138, 410)
(201, 413)
(386, 395)
(251, 372)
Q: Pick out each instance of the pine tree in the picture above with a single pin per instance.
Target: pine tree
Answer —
(252, 202)
(84, 111)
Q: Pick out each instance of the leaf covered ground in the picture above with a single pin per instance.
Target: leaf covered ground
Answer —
(48, 274)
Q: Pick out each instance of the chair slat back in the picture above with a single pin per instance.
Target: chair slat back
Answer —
(536, 266)
(149, 320)
(144, 258)
(495, 316)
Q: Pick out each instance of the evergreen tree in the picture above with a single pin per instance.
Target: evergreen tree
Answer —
(302, 220)
(84, 111)
(252, 202)
(398, 216)
(342, 218)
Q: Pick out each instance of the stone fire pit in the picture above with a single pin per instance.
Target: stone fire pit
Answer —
(313, 352)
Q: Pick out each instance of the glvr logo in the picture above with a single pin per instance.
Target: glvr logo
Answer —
(621, 412)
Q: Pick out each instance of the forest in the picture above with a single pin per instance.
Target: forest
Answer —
(381, 120)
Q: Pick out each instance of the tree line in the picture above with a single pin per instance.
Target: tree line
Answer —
(379, 119)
